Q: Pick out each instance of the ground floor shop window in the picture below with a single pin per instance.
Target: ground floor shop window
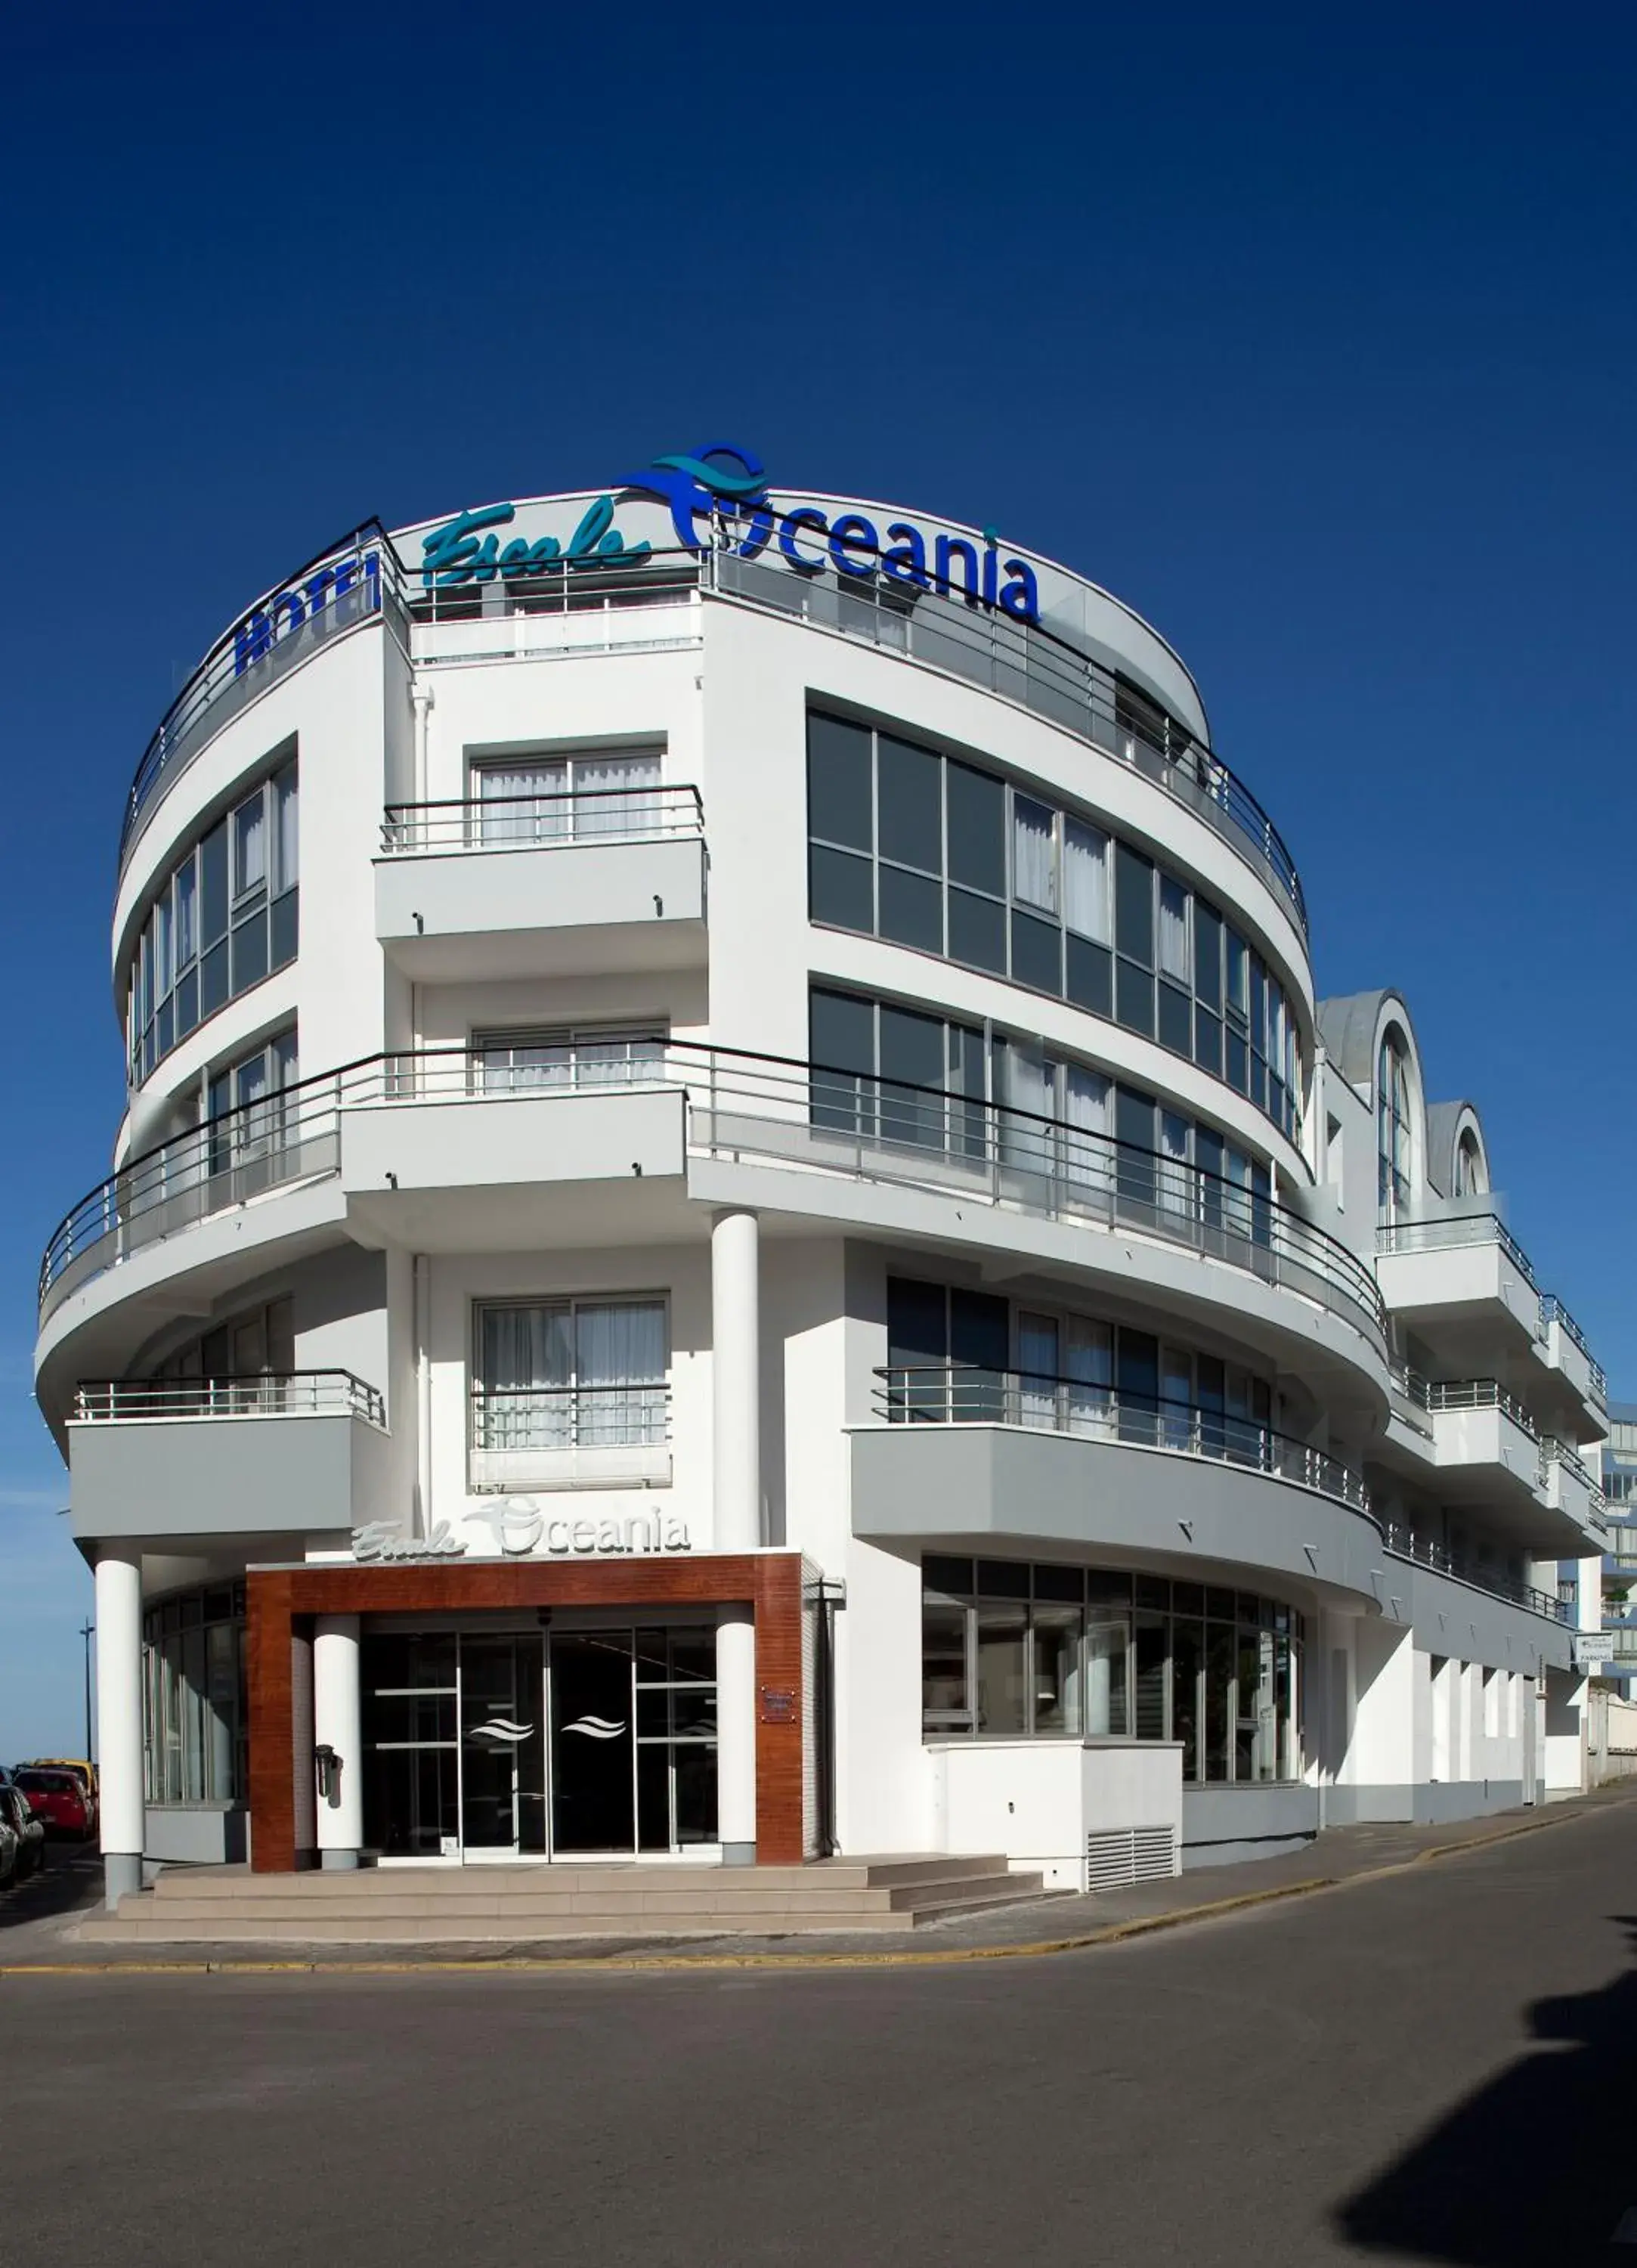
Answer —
(1014, 1650)
(194, 1715)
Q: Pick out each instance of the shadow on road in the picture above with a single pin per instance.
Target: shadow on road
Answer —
(72, 1878)
(1535, 2171)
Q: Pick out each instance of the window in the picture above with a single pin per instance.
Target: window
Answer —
(1044, 1651)
(194, 1715)
(1470, 1180)
(1393, 1123)
(925, 850)
(258, 1343)
(592, 1055)
(249, 1121)
(896, 1075)
(570, 1374)
(227, 917)
(568, 798)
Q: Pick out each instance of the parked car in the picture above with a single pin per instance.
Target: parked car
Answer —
(84, 1772)
(57, 1800)
(8, 1853)
(15, 1810)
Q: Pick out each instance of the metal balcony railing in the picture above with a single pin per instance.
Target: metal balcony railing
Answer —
(634, 1415)
(256, 1394)
(1553, 1311)
(1451, 1231)
(1404, 1543)
(810, 1117)
(959, 1394)
(542, 822)
(1480, 1394)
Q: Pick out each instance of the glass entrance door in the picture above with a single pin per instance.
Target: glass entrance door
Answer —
(593, 1794)
(502, 1746)
(634, 1741)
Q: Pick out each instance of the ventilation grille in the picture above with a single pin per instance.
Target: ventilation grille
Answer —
(1120, 1856)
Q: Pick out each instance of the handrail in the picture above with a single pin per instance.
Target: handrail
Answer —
(239, 1394)
(964, 1394)
(1404, 1543)
(1554, 1452)
(816, 1116)
(1455, 1230)
(1031, 665)
(576, 817)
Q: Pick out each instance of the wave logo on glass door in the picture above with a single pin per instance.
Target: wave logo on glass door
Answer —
(597, 1728)
(500, 1728)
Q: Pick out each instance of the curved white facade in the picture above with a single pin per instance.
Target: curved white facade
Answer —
(657, 1036)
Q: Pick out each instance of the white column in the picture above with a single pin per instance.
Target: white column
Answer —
(338, 1723)
(735, 1379)
(118, 1719)
(735, 1735)
(736, 1383)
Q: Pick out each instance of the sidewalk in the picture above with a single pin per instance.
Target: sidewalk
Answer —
(39, 1924)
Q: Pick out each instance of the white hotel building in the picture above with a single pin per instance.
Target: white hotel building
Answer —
(739, 1236)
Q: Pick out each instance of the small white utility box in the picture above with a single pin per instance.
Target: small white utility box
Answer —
(1091, 1814)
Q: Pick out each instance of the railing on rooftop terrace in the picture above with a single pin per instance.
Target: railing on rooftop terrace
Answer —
(1030, 664)
(1405, 1544)
(811, 1117)
(960, 1394)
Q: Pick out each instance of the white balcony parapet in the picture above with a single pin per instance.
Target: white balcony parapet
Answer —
(548, 1437)
(571, 820)
(804, 1117)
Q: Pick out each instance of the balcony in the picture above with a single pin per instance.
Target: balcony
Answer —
(589, 882)
(962, 1456)
(1477, 1574)
(296, 1454)
(1460, 1281)
(1483, 1440)
(956, 1394)
(458, 1149)
(571, 1437)
(1570, 1489)
(1565, 1351)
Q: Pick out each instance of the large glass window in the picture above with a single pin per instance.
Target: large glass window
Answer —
(1393, 1123)
(1011, 1649)
(594, 1055)
(570, 1374)
(923, 849)
(247, 1115)
(194, 1715)
(567, 797)
(227, 917)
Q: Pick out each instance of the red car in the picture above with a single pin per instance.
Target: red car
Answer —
(56, 1800)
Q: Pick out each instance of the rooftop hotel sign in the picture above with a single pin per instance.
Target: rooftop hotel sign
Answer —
(717, 498)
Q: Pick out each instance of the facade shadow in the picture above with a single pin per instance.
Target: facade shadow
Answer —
(1535, 2171)
(71, 1878)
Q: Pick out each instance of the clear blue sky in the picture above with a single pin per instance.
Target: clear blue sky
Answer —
(1308, 331)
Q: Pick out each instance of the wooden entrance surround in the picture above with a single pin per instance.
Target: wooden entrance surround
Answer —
(281, 1601)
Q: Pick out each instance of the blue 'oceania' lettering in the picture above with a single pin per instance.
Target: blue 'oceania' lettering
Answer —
(906, 561)
(790, 526)
(854, 528)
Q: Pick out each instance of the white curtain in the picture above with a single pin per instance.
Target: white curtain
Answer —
(621, 1350)
(1086, 1108)
(1089, 1367)
(525, 802)
(1086, 895)
(285, 830)
(1034, 872)
(525, 1350)
(1028, 1083)
(1173, 932)
(250, 845)
(616, 794)
(1177, 1179)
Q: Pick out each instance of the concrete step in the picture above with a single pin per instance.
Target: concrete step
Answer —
(232, 1906)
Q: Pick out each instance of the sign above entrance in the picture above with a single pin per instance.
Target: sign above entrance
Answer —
(520, 1529)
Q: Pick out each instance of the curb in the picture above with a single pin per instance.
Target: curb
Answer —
(930, 1958)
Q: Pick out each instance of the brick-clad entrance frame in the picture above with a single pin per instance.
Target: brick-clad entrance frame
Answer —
(280, 1602)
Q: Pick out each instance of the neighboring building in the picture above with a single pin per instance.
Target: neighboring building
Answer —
(738, 1232)
(1619, 1561)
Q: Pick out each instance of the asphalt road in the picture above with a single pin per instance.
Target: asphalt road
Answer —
(1439, 2067)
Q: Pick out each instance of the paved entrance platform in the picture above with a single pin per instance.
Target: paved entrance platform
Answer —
(55, 1925)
